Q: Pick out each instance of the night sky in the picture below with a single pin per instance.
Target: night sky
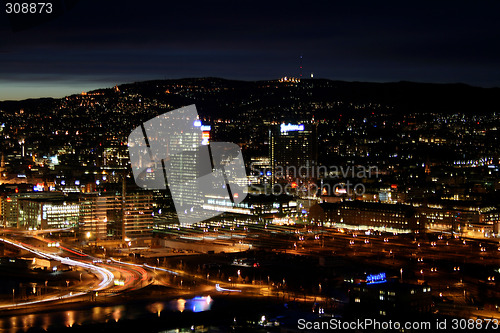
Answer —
(107, 42)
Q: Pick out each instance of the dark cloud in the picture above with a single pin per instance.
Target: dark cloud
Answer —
(445, 41)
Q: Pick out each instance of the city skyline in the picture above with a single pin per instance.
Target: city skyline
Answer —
(400, 219)
(249, 166)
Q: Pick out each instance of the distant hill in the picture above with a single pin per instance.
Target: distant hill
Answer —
(273, 100)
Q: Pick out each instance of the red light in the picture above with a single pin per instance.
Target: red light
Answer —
(236, 195)
(17, 190)
(394, 186)
(294, 185)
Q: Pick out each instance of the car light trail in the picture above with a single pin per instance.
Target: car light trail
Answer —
(106, 275)
(219, 288)
(125, 263)
(161, 269)
(77, 253)
(53, 298)
(139, 269)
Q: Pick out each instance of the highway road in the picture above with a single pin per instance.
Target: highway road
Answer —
(112, 277)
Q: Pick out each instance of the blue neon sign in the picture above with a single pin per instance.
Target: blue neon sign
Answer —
(376, 278)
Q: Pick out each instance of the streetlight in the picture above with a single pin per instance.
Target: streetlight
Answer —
(401, 271)
(13, 296)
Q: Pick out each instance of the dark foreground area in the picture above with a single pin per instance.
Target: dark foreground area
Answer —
(228, 313)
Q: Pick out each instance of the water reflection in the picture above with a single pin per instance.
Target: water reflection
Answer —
(181, 305)
(117, 313)
(199, 304)
(196, 304)
(45, 323)
(101, 314)
(156, 308)
(69, 319)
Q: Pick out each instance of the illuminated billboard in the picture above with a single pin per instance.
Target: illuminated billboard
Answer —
(291, 127)
(376, 278)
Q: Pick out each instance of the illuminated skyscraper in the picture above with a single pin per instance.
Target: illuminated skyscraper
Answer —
(172, 151)
(186, 167)
(94, 211)
(137, 214)
(293, 151)
(109, 216)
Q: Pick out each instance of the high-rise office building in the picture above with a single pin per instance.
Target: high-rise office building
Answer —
(9, 210)
(110, 216)
(97, 214)
(188, 165)
(137, 215)
(293, 152)
(172, 151)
